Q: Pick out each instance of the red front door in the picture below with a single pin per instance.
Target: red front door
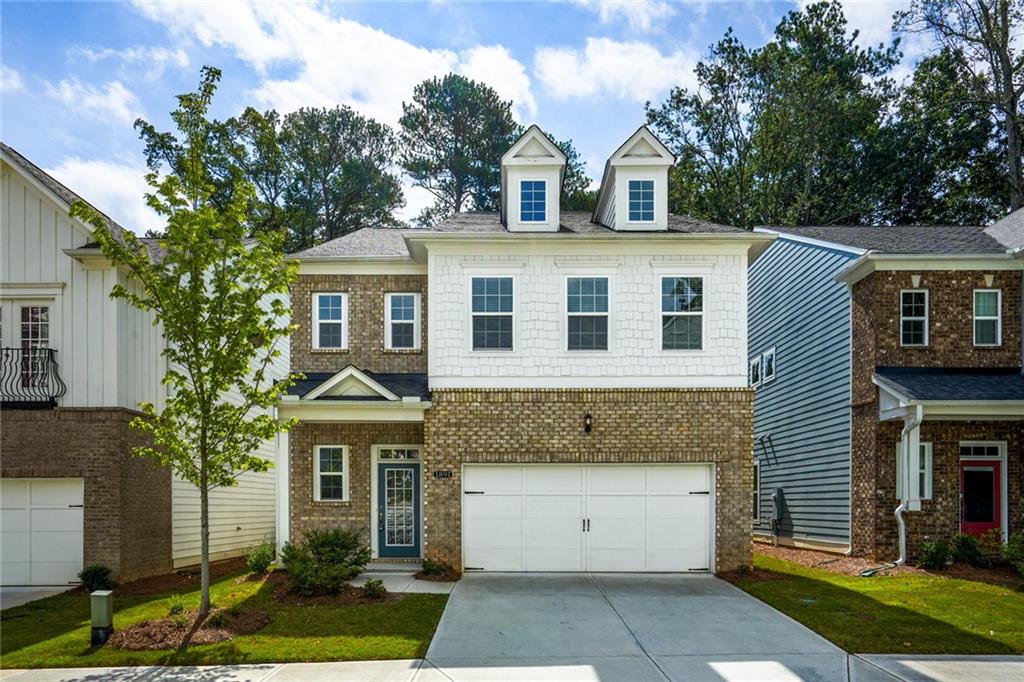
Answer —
(980, 496)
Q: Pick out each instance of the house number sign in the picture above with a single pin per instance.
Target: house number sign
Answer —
(443, 473)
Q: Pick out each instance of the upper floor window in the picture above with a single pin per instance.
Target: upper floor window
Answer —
(682, 313)
(330, 320)
(533, 201)
(755, 371)
(402, 326)
(492, 313)
(914, 317)
(330, 478)
(587, 308)
(641, 201)
(988, 323)
(768, 365)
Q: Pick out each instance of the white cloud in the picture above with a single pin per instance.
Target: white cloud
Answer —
(154, 60)
(633, 71)
(109, 101)
(116, 189)
(10, 80)
(333, 60)
(642, 15)
(416, 199)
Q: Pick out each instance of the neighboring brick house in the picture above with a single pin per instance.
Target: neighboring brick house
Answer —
(74, 365)
(879, 351)
(530, 389)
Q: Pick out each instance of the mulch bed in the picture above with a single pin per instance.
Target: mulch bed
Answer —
(349, 595)
(165, 634)
(179, 581)
(448, 576)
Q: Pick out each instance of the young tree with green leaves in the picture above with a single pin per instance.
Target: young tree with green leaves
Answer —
(220, 300)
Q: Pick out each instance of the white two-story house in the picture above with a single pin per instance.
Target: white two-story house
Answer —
(74, 367)
(531, 389)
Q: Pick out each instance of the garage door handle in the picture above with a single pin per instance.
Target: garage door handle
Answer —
(76, 506)
(472, 492)
(700, 492)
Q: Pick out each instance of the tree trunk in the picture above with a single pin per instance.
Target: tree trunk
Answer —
(1013, 159)
(204, 516)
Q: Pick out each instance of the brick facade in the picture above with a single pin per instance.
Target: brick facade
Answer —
(365, 324)
(127, 515)
(630, 426)
(876, 343)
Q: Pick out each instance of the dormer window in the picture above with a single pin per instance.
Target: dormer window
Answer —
(641, 201)
(533, 201)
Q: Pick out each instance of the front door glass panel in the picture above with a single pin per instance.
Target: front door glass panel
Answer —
(979, 494)
(398, 532)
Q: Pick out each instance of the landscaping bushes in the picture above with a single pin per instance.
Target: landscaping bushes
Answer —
(96, 577)
(934, 555)
(259, 558)
(324, 560)
(1013, 552)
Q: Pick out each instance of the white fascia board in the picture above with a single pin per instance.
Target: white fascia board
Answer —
(534, 133)
(361, 266)
(648, 135)
(708, 382)
(900, 405)
(782, 234)
(352, 411)
(351, 371)
(893, 262)
(31, 289)
(479, 237)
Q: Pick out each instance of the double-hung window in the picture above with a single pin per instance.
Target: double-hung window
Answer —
(330, 321)
(924, 472)
(755, 371)
(533, 201)
(988, 323)
(768, 365)
(914, 317)
(641, 201)
(402, 326)
(330, 475)
(587, 308)
(682, 313)
(492, 313)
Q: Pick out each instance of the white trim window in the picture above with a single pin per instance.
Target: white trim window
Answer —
(988, 318)
(492, 312)
(755, 371)
(330, 473)
(586, 304)
(756, 510)
(641, 201)
(402, 321)
(682, 313)
(914, 317)
(924, 472)
(533, 201)
(330, 321)
(768, 365)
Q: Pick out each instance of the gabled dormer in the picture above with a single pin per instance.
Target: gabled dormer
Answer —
(531, 183)
(634, 187)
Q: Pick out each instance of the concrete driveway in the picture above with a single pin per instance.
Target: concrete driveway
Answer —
(620, 627)
(16, 596)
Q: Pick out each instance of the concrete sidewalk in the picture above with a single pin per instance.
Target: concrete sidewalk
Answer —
(863, 668)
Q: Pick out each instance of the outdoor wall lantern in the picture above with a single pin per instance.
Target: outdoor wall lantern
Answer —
(588, 423)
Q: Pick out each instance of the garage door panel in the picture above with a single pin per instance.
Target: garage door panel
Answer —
(556, 479)
(14, 545)
(616, 480)
(552, 533)
(616, 506)
(55, 546)
(493, 506)
(678, 506)
(661, 560)
(667, 534)
(56, 493)
(41, 531)
(685, 479)
(615, 560)
(556, 506)
(14, 521)
(625, 534)
(57, 519)
(54, 572)
(493, 479)
(15, 572)
(495, 533)
(13, 494)
(556, 559)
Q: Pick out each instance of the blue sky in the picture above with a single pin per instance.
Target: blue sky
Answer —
(76, 75)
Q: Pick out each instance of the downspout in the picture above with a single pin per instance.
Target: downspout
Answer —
(902, 507)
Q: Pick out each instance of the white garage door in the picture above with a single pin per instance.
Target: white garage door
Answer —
(550, 517)
(41, 530)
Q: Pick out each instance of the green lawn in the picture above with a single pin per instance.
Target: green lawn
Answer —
(54, 632)
(921, 614)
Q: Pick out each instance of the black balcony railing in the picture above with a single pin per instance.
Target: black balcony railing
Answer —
(29, 378)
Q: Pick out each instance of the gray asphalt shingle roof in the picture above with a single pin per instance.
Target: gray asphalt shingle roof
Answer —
(896, 239)
(402, 385)
(941, 383)
(1009, 230)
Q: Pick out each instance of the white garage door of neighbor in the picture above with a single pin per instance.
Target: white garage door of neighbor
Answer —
(41, 535)
(548, 517)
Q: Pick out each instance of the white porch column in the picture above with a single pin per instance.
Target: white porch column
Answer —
(283, 497)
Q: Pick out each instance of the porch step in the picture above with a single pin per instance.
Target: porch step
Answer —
(394, 566)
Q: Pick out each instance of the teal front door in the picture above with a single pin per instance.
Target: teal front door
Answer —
(398, 509)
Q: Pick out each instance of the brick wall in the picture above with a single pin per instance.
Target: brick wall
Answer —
(127, 515)
(630, 426)
(307, 514)
(366, 324)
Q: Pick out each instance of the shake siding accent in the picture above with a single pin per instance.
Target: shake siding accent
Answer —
(802, 416)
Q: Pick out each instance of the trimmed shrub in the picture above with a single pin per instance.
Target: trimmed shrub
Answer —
(96, 577)
(324, 561)
(431, 567)
(374, 589)
(990, 545)
(259, 558)
(965, 550)
(1013, 552)
(933, 555)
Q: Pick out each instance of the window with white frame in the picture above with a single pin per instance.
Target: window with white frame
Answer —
(330, 473)
(757, 490)
(402, 326)
(924, 471)
(533, 201)
(641, 201)
(682, 313)
(755, 371)
(768, 365)
(914, 317)
(587, 309)
(492, 308)
(988, 323)
(330, 321)
(35, 340)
